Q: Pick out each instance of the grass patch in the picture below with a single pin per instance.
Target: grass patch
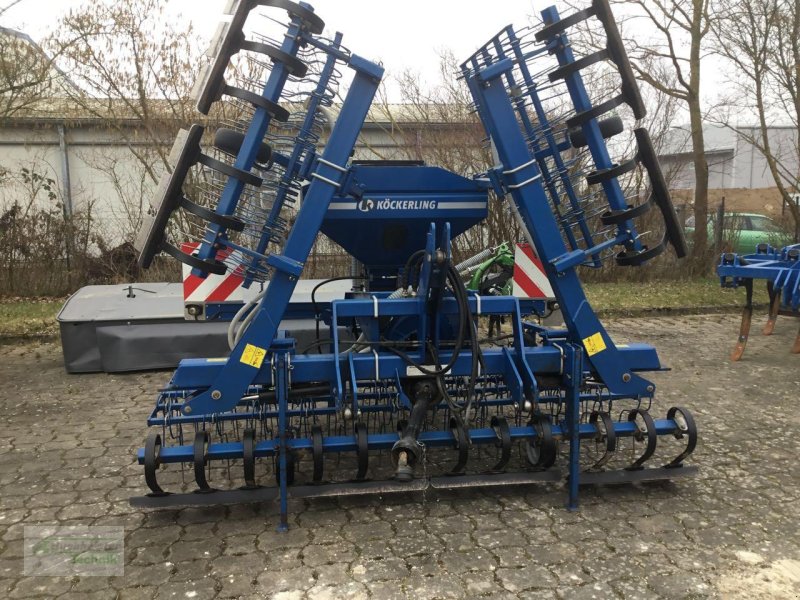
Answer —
(36, 317)
(29, 317)
(695, 295)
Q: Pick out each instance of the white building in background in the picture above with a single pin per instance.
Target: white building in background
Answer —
(734, 163)
(94, 167)
(93, 163)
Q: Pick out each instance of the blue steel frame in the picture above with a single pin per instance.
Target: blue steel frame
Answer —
(226, 391)
(204, 391)
(523, 182)
(779, 267)
(781, 270)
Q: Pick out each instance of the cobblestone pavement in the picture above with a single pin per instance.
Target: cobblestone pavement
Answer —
(731, 532)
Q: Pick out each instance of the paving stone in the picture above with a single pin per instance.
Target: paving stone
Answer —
(378, 530)
(295, 595)
(152, 574)
(592, 591)
(134, 592)
(236, 586)
(513, 556)
(686, 539)
(463, 562)
(189, 570)
(338, 592)
(679, 585)
(97, 595)
(223, 566)
(335, 574)
(526, 578)
(435, 586)
(189, 549)
(570, 573)
(90, 584)
(378, 570)
(287, 580)
(318, 554)
(481, 584)
(284, 558)
(186, 590)
(386, 590)
(241, 544)
(34, 587)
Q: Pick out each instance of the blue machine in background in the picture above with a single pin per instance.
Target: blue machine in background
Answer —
(418, 396)
(781, 270)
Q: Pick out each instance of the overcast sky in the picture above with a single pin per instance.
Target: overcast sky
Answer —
(410, 34)
(404, 35)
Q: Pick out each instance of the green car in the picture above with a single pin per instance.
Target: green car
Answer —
(742, 232)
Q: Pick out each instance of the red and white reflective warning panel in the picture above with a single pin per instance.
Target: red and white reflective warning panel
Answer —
(530, 280)
(214, 288)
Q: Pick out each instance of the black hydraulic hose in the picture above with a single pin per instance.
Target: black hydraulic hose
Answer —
(416, 257)
(464, 314)
(460, 290)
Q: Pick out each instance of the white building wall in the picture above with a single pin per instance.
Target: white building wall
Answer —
(105, 176)
(734, 162)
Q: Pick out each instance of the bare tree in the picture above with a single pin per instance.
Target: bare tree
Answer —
(679, 38)
(27, 74)
(134, 68)
(761, 41)
(134, 71)
(9, 6)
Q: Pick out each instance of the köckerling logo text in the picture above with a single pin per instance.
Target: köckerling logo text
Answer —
(368, 204)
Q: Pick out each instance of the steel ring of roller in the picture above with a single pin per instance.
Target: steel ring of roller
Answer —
(689, 430)
(316, 452)
(617, 217)
(362, 449)
(152, 460)
(501, 430)
(200, 459)
(293, 65)
(542, 451)
(652, 437)
(249, 459)
(462, 445)
(637, 258)
(603, 419)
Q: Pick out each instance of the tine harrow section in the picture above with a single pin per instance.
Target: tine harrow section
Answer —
(402, 390)
(781, 270)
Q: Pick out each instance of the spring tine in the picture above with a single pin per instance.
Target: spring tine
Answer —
(774, 307)
(747, 317)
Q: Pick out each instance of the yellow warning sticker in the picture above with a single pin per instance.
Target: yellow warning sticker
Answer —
(253, 356)
(594, 344)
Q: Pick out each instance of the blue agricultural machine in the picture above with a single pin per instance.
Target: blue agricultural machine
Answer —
(405, 391)
(781, 270)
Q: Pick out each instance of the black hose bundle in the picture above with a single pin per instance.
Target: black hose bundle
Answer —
(467, 330)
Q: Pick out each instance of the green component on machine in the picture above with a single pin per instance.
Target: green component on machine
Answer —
(491, 271)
